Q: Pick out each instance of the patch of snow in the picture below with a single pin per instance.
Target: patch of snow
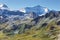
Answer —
(23, 10)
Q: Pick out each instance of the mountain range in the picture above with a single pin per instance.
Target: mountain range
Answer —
(38, 10)
(22, 14)
(29, 23)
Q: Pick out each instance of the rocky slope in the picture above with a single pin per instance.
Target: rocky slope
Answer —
(29, 24)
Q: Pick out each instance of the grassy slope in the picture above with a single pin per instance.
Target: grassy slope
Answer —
(33, 34)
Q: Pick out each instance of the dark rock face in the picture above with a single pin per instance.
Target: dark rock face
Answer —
(46, 15)
(44, 24)
(52, 28)
(3, 20)
(52, 14)
(58, 23)
(28, 26)
(37, 19)
(14, 27)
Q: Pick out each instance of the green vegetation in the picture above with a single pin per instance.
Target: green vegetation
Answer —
(48, 32)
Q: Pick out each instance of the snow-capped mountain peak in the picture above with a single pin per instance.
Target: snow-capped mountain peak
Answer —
(32, 12)
(23, 10)
(39, 10)
(46, 9)
(3, 6)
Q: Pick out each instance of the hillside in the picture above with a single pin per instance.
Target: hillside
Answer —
(45, 27)
(30, 23)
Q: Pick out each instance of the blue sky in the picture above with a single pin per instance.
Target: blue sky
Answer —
(17, 4)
